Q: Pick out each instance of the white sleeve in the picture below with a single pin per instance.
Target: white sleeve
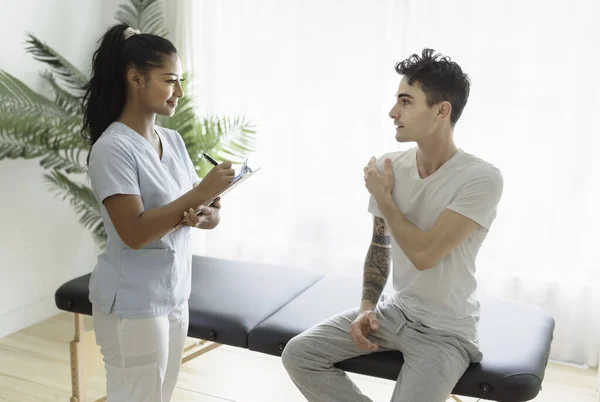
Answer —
(112, 170)
(373, 208)
(478, 197)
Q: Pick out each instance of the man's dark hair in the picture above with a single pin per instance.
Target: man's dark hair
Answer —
(439, 78)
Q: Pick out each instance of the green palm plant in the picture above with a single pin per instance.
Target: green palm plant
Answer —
(34, 126)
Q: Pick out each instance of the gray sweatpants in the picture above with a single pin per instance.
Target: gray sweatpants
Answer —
(434, 360)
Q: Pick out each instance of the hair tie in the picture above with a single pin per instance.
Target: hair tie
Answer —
(129, 32)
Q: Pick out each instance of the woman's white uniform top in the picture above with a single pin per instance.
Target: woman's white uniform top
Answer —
(155, 279)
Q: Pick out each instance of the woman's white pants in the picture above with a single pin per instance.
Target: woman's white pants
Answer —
(142, 357)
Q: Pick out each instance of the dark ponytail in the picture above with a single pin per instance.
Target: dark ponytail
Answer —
(106, 90)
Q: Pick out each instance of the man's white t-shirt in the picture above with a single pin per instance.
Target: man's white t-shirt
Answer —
(443, 297)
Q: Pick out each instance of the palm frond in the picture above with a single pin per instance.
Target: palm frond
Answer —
(238, 140)
(145, 15)
(67, 101)
(16, 97)
(33, 126)
(34, 137)
(70, 76)
(226, 138)
(68, 160)
(81, 198)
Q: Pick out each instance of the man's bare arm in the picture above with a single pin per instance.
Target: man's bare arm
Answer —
(426, 248)
(377, 265)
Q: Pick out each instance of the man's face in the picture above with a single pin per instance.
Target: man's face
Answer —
(413, 118)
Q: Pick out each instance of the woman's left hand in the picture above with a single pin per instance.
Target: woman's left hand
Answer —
(209, 216)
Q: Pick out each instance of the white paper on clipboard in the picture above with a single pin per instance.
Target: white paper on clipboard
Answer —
(245, 174)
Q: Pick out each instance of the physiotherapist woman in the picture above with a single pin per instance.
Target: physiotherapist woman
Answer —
(147, 186)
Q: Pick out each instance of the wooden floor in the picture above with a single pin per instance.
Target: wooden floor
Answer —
(34, 366)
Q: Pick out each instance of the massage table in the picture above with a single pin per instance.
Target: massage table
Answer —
(260, 307)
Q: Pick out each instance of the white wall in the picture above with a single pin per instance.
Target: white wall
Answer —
(42, 244)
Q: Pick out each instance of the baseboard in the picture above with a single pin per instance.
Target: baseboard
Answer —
(579, 365)
(21, 317)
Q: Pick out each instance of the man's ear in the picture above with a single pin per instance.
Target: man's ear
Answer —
(444, 110)
(135, 78)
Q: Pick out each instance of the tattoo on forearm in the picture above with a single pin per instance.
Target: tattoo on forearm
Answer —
(380, 235)
(381, 240)
(377, 263)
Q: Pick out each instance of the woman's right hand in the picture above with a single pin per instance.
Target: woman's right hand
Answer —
(216, 180)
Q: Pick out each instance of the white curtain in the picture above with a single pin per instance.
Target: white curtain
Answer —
(317, 78)
(179, 20)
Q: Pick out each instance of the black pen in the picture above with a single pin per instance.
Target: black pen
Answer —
(211, 160)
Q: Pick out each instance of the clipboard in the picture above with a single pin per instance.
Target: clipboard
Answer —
(245, 174)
